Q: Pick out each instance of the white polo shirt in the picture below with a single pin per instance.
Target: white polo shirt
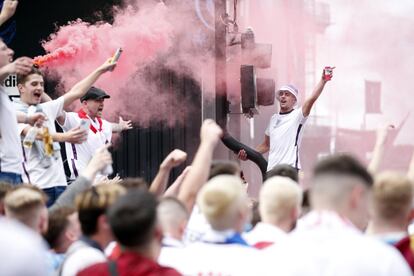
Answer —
(34, 172)
(265, 234)
(11, 155)
(80, 256)
(327, 244)
(78, 155)
(285, 133)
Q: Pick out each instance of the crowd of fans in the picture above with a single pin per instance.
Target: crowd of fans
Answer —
(352, 221)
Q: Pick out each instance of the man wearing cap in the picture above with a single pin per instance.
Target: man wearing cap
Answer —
(42, 161)
(283, 135)
(99, 130)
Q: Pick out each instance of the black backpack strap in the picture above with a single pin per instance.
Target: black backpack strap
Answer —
(113, 271)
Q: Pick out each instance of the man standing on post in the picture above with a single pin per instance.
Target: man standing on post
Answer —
(283, 135)
(99, 132)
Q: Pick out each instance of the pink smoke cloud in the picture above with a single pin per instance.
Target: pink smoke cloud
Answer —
(151, 36)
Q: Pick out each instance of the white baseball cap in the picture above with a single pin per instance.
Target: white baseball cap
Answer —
(289, 88)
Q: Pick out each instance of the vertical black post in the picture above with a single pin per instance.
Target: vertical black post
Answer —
(220, 55)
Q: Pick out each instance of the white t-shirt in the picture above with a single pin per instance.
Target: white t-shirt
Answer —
(34, 172)
(208, 258)
(78, 155)
(22, 251)
(11, 155)
(80, 256)
(197, 226)
(327, 244)
(285, 134)
(265, 233)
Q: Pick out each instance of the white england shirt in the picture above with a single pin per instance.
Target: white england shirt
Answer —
(327, 244)
(78, 155)
(210, 258)
(285, 134)
(264, 234)
(34, 172)
(11, 155)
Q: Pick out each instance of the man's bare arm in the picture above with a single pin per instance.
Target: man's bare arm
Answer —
(174, 159)
(308, 104)
(121, 125)
(80, 89)
(379, 148)
(410, 172)
(8, 10)
(265, 146)
(210, 135)
(76, 135)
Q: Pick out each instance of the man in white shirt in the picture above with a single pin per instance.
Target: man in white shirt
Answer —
(283, 135)
(99, 132)
(280, 204)
(11, 156)
(92, 205)
(222, 250)
(391, 207)
(329, 240)
(41, 168)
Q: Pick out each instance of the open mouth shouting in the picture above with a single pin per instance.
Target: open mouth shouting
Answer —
(37, 95)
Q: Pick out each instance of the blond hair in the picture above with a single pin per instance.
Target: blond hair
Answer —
(24, 204)
(99, 197)
(392, 196)
(221, 199)
(278, 197)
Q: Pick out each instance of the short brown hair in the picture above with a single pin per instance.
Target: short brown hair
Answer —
(220, 167)
(392, 195)
(93, 203)
(23, 78)
(58, 222)
(134, 182)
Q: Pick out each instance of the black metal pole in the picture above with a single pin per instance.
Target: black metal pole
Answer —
(220, 55)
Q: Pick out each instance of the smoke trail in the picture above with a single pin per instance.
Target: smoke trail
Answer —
(151, 35)
(371, 40)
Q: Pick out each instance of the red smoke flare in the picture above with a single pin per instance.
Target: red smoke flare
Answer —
(59, 54)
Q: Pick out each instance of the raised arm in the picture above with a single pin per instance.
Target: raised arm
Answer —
(174, 159)
(210, 135)
(100, 160)
(8, 10)
(176, 186)
(379, 148)
(80, 89)
(410, 172)
(20, 66)
(308, 104)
